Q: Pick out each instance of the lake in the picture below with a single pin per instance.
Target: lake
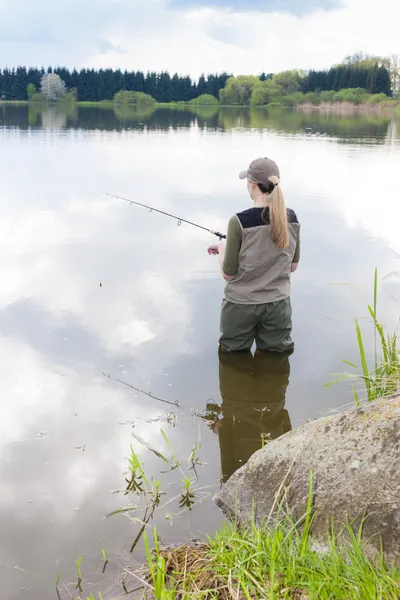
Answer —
(91, 287)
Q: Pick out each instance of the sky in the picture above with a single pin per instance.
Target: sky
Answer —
(195, 36)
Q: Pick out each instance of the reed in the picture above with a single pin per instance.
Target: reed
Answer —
(276, 561)
(382, 377)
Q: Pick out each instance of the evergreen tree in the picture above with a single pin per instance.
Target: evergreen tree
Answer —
(375, 78)
(103, 84)
(175, 89)
(383, 82)
(201, 86)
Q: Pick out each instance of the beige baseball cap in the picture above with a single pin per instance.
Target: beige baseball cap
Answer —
(260, 170)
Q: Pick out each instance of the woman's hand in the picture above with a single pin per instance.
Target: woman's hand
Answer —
(294, 267)
(213, 250)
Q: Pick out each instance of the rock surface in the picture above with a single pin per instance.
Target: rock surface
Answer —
(355, 461)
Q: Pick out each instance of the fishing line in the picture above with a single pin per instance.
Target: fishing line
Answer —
(179, 220)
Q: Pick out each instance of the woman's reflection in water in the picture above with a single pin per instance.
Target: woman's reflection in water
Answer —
(253, 390)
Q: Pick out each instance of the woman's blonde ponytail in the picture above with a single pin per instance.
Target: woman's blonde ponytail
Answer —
(278, 215)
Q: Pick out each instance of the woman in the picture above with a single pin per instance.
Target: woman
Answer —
(262, 249)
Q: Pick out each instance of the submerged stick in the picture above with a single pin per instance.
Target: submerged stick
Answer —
(148, 394)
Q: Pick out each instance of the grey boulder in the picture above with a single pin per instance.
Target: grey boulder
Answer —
(355, 462)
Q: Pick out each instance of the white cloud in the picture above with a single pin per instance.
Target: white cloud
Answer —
(193, 38)
(298, 7)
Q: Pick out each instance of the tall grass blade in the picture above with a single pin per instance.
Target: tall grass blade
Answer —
(57, 590)
(149, 557)
(122, 510)
(309, 518)
(104, 555)
(149, 447)
(175, 462)
(375, 313)
(356, 397)
(379, 329)
(138, 537)
(364, 363)
(346, 362)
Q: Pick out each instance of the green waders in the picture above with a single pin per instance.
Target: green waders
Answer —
(269, 325)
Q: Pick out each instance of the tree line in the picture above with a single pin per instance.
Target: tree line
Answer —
(370, 75)
(96, 85)
(375, 79)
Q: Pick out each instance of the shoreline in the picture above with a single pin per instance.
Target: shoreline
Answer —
(335, 108)
(348, 108)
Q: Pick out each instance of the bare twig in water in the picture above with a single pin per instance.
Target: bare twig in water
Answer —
(142, 581)
(148, 394)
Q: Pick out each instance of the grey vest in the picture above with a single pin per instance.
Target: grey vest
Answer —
(264, 271)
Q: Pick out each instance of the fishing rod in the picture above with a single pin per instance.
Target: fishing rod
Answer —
(221, 236)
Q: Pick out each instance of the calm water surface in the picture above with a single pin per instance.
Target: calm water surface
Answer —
(90, 285)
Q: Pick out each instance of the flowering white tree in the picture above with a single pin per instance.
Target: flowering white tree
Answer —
(52, 86)
(395, 73)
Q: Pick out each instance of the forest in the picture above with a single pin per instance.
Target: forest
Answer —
(375, 79)
(103, 84)
(96, 85)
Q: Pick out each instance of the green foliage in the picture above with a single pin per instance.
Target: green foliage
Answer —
(137, 481)
(275, 91)
(344, 83)
(92, 85)
(148, 491)
(205, 113)
(374, 77)
(290, 81)
(274, 561)
(377, 98)
(353, 95)
(238, 90)
(361, 59)
(259, 95)
(327, 96)
(31, 90)
(128, 112)
(276, 88)
(68, 98)
(265, 93)
(275, 105)
(38, 97)
(138, 99)
(187, 497)
(383, 378)
(292, 99)
(205, 100)
(312, 98)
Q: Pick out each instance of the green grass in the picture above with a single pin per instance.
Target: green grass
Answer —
(275, 562)
(282, 103)
(382, 377)
(101, 104)
(16, 102)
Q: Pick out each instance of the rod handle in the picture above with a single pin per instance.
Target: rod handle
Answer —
(218, 234)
